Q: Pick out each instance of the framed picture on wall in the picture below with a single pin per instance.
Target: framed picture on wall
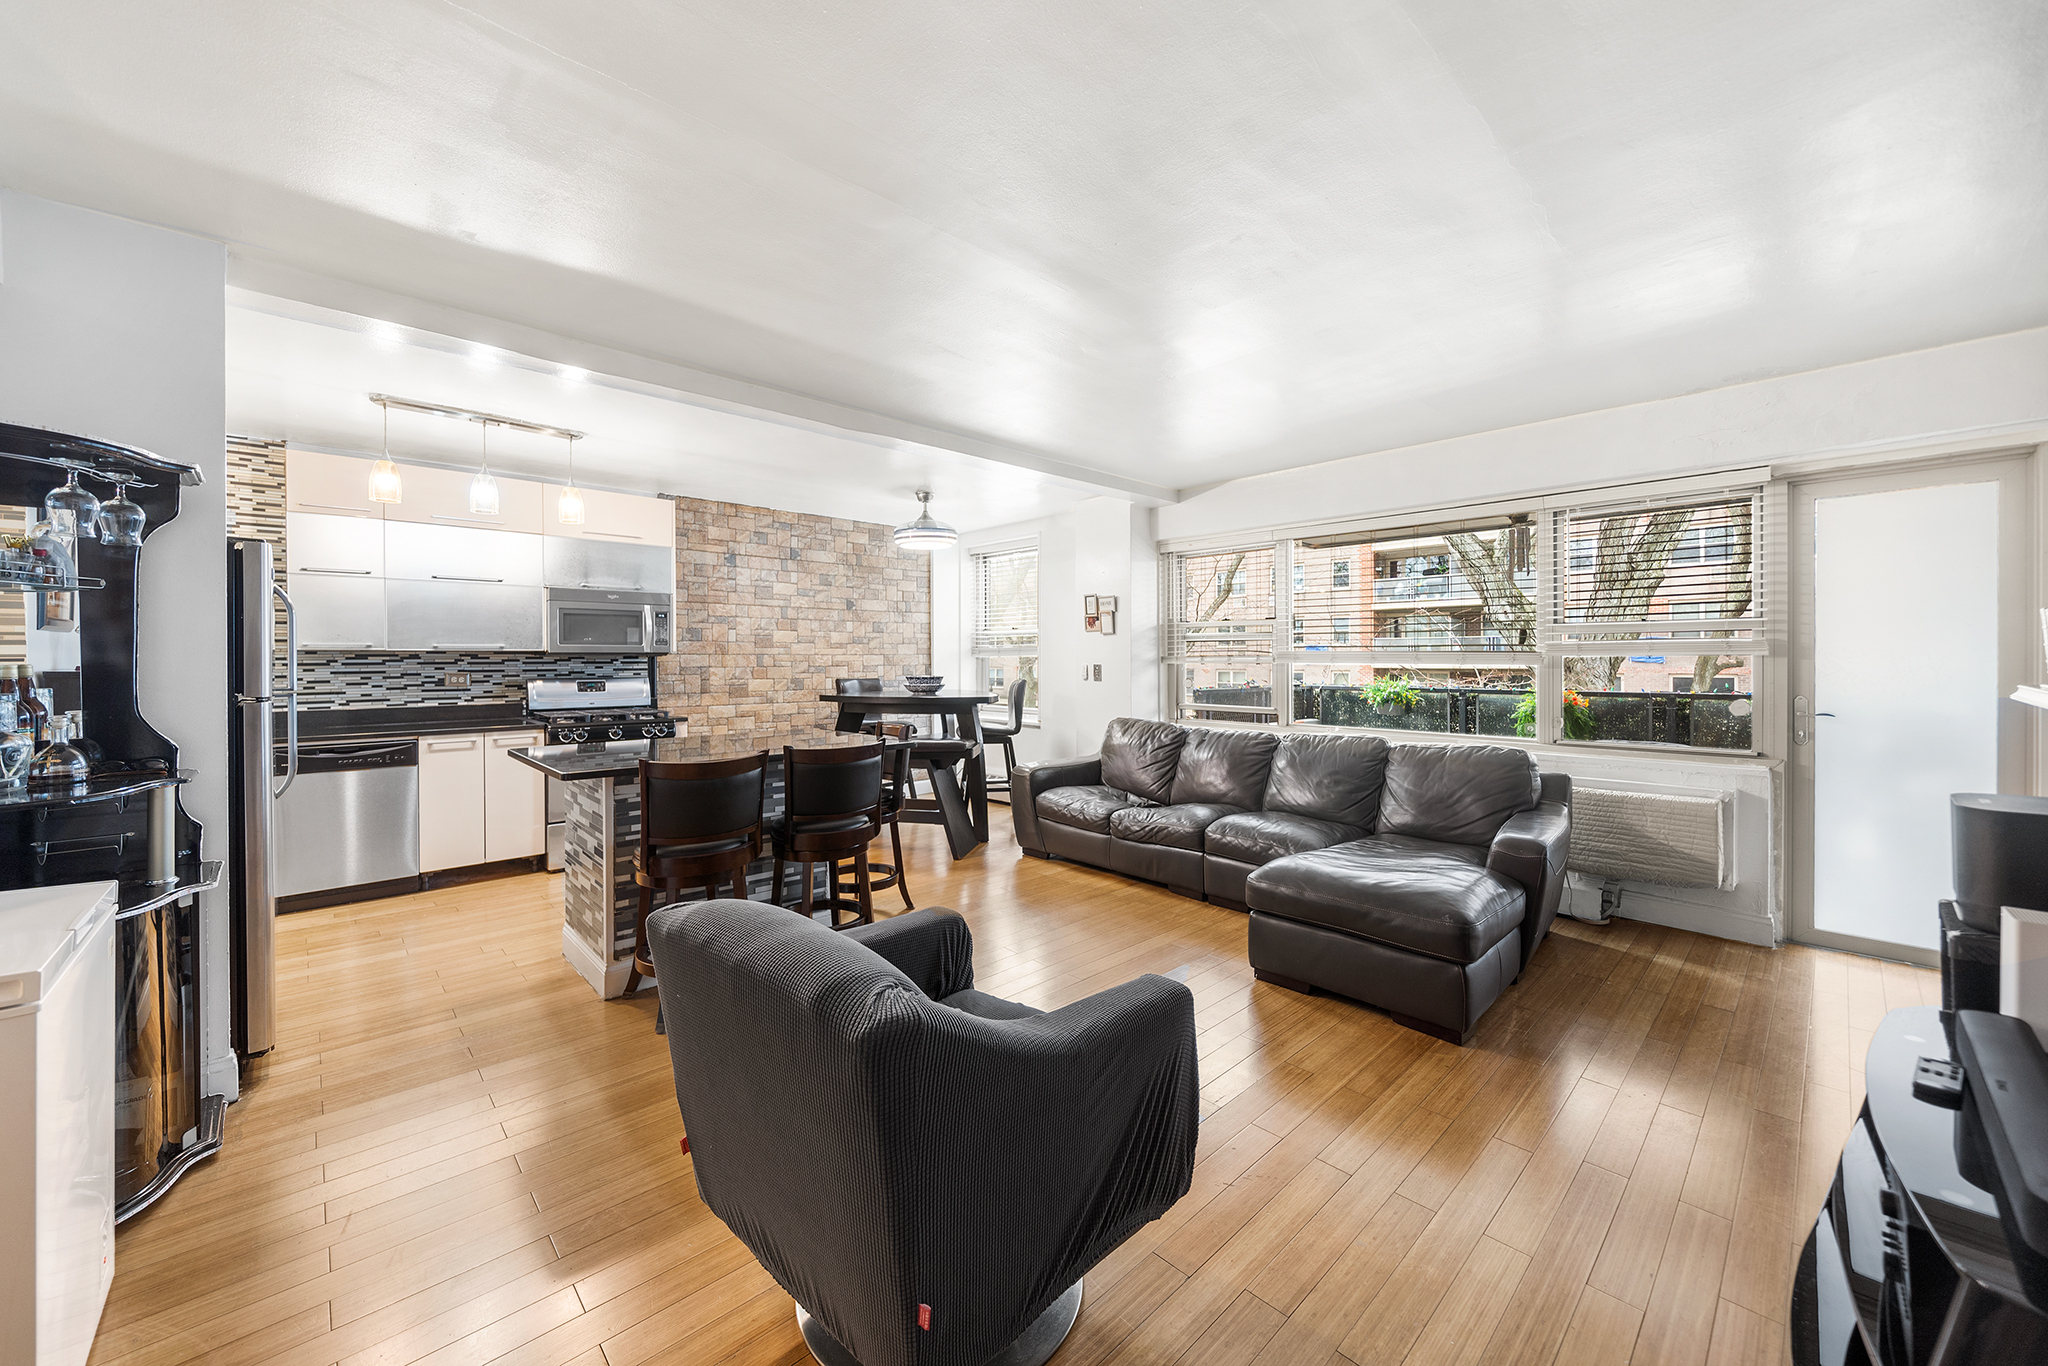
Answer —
(1108, 620)
(1105, 604)
(1090, 605)
(1092, 622)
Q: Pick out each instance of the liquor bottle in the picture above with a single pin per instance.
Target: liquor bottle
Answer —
(38, 715)
(59, 764)
(88, 747)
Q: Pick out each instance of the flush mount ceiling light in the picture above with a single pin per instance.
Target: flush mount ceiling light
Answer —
(385, 485)
(926, 533)
(569, 507)
(483, 490)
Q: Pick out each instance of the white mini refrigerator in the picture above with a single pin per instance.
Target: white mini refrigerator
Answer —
(56, 1119)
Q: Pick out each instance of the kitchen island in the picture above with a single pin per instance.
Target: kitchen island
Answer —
(600, 900)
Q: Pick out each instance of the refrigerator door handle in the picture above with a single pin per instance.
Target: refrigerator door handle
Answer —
(291, 689)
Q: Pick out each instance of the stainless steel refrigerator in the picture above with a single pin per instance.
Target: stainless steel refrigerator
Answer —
(254, 598)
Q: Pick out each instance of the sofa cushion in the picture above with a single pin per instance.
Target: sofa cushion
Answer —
(1424, 900)
(1329, 777)
(1228, 767)
(1179, 827)
(1139, 757)
(1262, 836)
(1461, 794)
(1084, 808)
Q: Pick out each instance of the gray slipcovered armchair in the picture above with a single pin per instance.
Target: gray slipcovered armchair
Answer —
(926, 1169)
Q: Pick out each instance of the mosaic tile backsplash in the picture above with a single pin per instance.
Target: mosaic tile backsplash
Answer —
(328, 679)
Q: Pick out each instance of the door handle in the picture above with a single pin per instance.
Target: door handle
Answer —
(616, 535)
(468, 645)
(460, 578)
(342, 507)
(309, 569)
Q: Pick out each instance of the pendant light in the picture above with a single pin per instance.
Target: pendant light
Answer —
(385, 485)
(483, 490)
(569, 508)
(925, 533)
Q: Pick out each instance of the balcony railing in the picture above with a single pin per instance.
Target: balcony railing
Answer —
(1698, 720)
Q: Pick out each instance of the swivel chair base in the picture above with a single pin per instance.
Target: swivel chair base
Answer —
(1033, 1347)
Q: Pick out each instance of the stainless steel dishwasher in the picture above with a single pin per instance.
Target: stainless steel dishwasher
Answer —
(352, 818)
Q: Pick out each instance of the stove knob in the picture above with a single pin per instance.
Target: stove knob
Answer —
(575, 737)
(616, 733)
(650, 731)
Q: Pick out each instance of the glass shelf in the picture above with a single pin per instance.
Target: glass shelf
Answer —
(8, 580)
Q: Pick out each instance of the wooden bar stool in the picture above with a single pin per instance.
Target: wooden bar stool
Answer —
(831, 812)
(895, 792)
(896, 728)
(700, 826)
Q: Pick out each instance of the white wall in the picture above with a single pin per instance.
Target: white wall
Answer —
(1101, 545)
(113, 329)
(1987, 389)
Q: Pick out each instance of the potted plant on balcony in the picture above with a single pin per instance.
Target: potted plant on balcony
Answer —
(1575, 717)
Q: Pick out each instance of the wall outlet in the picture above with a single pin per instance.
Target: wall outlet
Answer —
(454, 680)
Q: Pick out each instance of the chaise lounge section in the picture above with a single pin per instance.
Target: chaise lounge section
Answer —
(1418, 878)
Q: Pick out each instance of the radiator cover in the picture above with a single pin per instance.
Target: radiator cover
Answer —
(1670, 838)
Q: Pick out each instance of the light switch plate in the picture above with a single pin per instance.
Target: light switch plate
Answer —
(1098, 673)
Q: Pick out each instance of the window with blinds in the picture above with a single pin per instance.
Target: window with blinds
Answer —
(1005, 638)
(1218, 632)
(1634, 573)
(1458, 588)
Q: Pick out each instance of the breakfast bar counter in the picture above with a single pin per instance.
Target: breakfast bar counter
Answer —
(600, 900)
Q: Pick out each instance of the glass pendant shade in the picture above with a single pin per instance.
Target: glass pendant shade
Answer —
(483, 494)
(926, 532)
(71, 508)
(570, 507)
(121, 519)
(483, 490)
(385, 485)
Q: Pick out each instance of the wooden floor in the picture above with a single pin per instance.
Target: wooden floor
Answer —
(458, 1154)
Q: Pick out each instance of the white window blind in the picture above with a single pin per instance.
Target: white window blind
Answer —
(1006, 603)
(1457, 588)
(1683, 570)
(1220, 604)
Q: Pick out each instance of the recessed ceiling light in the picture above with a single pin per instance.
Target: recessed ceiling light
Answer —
(574, 374)
(485, 357)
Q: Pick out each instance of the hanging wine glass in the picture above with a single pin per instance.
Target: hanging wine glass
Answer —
(71, 508)
(121, 518)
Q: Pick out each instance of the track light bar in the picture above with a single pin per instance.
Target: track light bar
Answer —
(387, 402)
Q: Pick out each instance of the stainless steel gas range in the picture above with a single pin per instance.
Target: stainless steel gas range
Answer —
(590, 712)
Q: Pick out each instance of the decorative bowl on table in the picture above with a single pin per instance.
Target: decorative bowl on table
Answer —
(923, 683)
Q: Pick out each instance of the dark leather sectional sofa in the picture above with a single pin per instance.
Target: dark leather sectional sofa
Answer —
(1417, 878)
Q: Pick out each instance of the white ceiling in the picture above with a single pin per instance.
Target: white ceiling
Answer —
(304, 374)
(1171, 242)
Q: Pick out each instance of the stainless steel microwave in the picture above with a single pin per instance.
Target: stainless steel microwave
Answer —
(604, 621)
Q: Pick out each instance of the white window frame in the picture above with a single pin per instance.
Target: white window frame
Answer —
(977, 653)
(1550, 513)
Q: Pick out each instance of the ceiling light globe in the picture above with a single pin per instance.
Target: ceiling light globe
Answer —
(569, 509)
(926, 532)
(385, 485)
(483, 495)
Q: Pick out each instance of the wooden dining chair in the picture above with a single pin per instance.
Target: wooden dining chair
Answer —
(700, 826)
(831, 813)
(896, 791)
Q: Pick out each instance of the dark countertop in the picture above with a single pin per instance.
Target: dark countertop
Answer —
(621, 758)
(379, 723)
(948, 699)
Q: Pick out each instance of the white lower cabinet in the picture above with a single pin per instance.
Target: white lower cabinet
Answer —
(515, 799)
(477, 803)
(451, 801)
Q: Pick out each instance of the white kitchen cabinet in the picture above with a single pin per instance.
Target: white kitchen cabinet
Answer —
(452, 797)
(328, 543)
(332, 484)
(438, 497)
(573, 562)
(461, 554)
(515, 798)
(438, 615)
(337, 612)
(627, 518)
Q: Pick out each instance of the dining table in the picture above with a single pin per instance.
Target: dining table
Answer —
(962, 807)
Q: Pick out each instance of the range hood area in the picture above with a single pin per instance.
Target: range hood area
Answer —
(426, 573)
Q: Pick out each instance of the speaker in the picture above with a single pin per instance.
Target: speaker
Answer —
(2001, 855)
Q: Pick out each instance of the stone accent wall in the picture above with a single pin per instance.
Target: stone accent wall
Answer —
(772, 606)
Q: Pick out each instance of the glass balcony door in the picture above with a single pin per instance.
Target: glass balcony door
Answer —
(1909, 635)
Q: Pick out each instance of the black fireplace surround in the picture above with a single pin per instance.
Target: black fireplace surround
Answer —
(1416, 878)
